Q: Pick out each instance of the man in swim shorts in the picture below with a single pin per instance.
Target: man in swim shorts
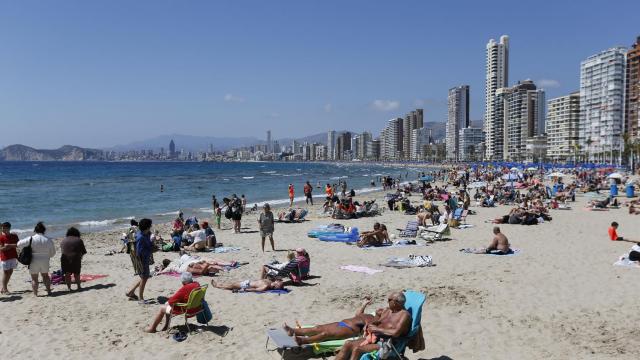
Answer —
(344, 329)
(250, 285)
(500, 244)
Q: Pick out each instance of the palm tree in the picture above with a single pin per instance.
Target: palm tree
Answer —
(588, 142)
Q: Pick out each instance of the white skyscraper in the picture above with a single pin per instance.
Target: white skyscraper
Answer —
(563, 118)
(331, 143)
(602, 103)
(458, 101)
(497, 76)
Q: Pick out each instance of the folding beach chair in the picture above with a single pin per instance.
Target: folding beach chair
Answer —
(195, 302)
(411, 230)
(413, 304)
(284, 343)
(434, 233)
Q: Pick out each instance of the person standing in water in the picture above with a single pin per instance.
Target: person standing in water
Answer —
(291, 195)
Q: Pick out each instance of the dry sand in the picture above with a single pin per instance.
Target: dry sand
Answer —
(560, 298)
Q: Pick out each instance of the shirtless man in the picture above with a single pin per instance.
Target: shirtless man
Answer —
(250, 285)
(391, 322)
(500, 244)
(344, 329)
(373, 238)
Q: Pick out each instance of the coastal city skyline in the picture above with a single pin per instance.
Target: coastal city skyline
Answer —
(370, 86)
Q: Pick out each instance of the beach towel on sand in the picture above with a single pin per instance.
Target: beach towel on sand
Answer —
(625, 262)
(278, 292)
(397, 244)
(495, 252)
(361, 269)
(57, 277)
(223, 249)
(409, 262)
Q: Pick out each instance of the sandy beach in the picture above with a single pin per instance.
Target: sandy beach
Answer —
(559, 298)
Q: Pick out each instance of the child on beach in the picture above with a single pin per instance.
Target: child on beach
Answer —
(613, 234)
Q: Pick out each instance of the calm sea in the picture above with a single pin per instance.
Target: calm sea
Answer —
(97, 196)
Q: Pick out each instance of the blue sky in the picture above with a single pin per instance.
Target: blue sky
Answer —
(101, 73)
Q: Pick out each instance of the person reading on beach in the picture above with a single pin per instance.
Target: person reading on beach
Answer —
(181, 296)
(250, 285)
(392, 322)
(297, 267)
(344, 329)
(500, 244)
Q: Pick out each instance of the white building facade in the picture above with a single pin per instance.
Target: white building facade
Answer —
(563, 118)
(458, 104)
(497, 76)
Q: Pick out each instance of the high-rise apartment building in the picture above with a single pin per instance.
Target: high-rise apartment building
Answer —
(363, 145)
(420, 139)
(172, 149)
(269, 145)
(601, 103)
(563, 118)
(458, 103)
(632, 91)
(343, 144)
(497, 76)
(468, 140)
(521, 110)
(331, 143)
(413, 120)
(391, 140)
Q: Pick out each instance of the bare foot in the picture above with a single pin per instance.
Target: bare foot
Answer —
(288, 329)
(150, 330)
(300, 340)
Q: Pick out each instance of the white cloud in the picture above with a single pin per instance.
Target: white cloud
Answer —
(328, 108)
(385, 105)
(548, 83)
(233, 98)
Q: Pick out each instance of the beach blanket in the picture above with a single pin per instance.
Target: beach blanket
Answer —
(361, 269)
(494, 253)
(57, 279)
(223, 249)
(409, 262)
(398, 244)
(625, 262)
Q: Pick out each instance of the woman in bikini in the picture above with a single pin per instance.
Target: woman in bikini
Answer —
(344, 329)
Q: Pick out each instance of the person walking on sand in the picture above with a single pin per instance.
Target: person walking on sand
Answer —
(291, 195)
(8, 255)
(266, 223)
(308, 189)
(43, 250)
(141, 259)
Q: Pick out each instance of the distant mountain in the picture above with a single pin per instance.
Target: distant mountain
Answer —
(65, 153)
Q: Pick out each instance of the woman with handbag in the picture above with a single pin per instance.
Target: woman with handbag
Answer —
(42, 250)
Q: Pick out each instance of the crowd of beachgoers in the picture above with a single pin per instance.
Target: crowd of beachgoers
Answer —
(435, 203)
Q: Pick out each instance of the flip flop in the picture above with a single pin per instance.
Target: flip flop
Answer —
(145, 302)
(132, 296)
(180, 336)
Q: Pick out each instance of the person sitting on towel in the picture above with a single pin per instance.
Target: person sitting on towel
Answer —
(500, 244)
(392, 322)
(250, 285)
(344, 329)
(296, 263)
(377, 237)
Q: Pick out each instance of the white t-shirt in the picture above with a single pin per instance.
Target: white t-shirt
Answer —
(198, 236)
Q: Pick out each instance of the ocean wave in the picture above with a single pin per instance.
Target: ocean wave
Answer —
(268, 172)
(94, 223)
(339, 177)
(248, 177)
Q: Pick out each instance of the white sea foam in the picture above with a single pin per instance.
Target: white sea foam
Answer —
(269, 172)
(248, 177)
(95, 223)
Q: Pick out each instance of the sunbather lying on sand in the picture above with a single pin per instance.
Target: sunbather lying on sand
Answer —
(344, 329)
(198, 266)
(250, 285)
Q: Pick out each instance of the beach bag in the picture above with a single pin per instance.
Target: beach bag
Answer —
(228, 213)
(26, 254)
(205, 315)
